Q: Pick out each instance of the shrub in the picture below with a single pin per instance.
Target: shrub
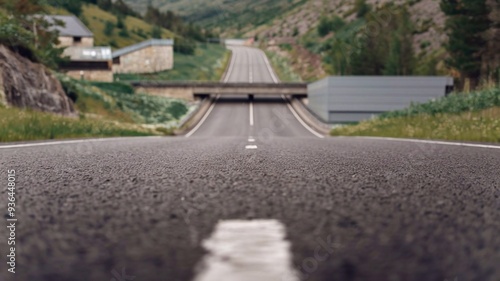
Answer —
(454, 103)
(109, 28)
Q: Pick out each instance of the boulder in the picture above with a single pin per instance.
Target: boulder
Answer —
(31, 85)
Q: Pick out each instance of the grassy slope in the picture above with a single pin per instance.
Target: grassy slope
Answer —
(22, 125)
(465, 117)
(96, 19)
(208, 64)
(119, 102)
(282, 68)
(105, 110)
(226, 14)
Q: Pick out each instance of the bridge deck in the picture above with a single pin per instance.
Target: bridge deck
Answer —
(207, 88)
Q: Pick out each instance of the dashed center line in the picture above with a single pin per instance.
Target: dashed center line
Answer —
(251, 146)
(247, 250)
(251, 140)
(251, 113)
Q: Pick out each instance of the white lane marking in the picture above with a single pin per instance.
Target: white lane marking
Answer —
(251, 147)
(434, 142)
(301, 121)
(269, 68)
(247, 251)
(276, 80)
(251, 113)
(231, 66)
(203, 119)
(66, 142)
(251, 140)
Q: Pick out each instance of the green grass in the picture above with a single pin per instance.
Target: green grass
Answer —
(207, 64)
(119, 102)
(282, 68)
(455, 103)
(22, 125)
(463, 117)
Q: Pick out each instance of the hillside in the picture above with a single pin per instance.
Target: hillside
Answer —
(231, 16)
(137, 29)
(289, 28)
(96, 19)
(295, 35)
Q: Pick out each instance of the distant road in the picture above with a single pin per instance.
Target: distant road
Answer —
(326, 208)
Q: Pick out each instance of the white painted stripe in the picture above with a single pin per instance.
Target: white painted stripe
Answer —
(251, 147)
(435, 142)
(251, 140)
(269, 68)
(253, 250)
(276, 80)
(203, 119)
(301, 121)
(66, 142)
(231, 66)
(251, 113)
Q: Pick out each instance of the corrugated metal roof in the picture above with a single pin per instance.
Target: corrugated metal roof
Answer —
(144, 44)
(88, 53)
(72, 26)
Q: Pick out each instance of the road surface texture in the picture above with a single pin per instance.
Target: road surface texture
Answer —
(348, 208)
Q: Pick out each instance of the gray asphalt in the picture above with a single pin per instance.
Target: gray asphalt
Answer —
(390, 210)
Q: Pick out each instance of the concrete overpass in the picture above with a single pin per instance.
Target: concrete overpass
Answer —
(192, 89)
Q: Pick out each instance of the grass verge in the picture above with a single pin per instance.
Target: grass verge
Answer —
(460, 117)
(207, 64)
(119, 102)
(23, 125)
(282, 68)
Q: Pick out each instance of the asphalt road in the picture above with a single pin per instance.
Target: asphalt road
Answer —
(389, 210)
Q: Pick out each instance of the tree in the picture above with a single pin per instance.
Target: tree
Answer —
(26, 34)
(119, 22)
(109, 28)
(124, 32)
(362, 8)
(466, 22)
(323, 26)
(156, 32)
(401, 59)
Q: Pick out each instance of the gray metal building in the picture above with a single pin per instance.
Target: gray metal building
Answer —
(343, 99)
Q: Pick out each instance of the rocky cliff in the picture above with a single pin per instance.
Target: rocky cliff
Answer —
(30, 85)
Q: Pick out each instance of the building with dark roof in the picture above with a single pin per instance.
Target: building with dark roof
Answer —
(146, 57)
(72, 32)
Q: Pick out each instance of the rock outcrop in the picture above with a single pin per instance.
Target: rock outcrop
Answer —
(30, 85)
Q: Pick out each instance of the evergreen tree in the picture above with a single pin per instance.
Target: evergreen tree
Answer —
(109, 28)
(401, 59)
(156, 32)
(466, 22)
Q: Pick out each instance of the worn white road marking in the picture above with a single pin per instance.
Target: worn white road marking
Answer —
(250, 146)
(231, 66)
(202, 119)
(276, 80)
(251, 113)
(269, 68)
(251, 140)
(435, 142)
(64, 142)
(253, 250)
(301, 121)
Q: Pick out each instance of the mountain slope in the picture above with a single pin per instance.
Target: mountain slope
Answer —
(96, 19)
(228, 15)
(137, 29)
